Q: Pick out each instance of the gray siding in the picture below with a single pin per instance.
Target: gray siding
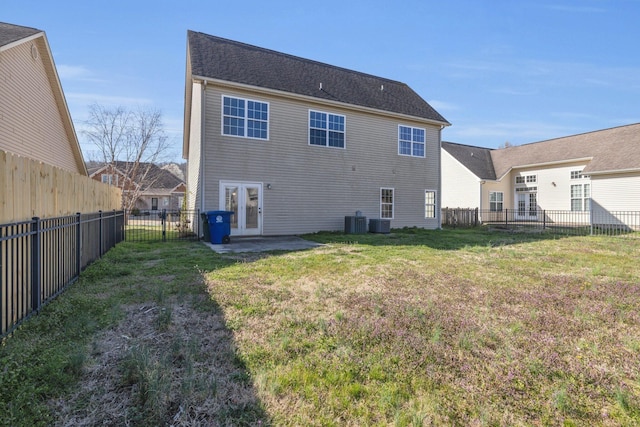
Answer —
(313, 188)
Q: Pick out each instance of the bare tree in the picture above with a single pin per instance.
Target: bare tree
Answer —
(506, 144)
(129, 142)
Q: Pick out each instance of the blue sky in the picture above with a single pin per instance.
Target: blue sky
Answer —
(499, 70)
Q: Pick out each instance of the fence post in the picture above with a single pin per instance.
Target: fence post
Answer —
(544, 219)
(78, 244)
(506, 217)
(100, 234)
(163, 217)
(475, 220)
(35, 264)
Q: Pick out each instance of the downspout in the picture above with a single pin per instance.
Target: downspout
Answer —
(439, 193)
(202, 139)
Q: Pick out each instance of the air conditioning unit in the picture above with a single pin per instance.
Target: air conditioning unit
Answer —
(355, 224)
(380, 226)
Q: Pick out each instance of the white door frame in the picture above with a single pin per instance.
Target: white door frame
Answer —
(239, 223)
(527, 212)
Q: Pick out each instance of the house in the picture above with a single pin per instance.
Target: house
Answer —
(152, 187)
(293, 146)
(591, 174)
(34, 117)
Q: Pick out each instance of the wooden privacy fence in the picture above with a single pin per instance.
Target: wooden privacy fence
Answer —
(31, 188)
(460, 217)
(41, 257)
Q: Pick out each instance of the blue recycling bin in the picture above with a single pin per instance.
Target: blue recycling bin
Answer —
(219, 226)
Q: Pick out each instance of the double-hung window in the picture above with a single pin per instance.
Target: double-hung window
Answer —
(580, 193)
(580, 197)
(429, 204)
(245, 118)
(386, 203)
(411, 141)
(496, 200)
(326, 129)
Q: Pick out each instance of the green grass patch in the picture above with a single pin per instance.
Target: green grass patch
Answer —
(446, 327)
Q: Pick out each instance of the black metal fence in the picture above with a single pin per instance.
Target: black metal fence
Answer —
(595, 222)
(41, 257)
(162, 225)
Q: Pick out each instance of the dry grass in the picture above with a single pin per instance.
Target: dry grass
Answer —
(532, 333)
(409, 329)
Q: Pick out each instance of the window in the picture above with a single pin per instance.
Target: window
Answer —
(496, 199)
(580, 197)
(578, 175)
(245, 118)
(326, 129)
(109, 179)
(411, 141)
(429, 204)
(386, 203)
(521, 179)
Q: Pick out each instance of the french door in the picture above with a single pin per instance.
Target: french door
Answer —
(527, 205)
(244, 199)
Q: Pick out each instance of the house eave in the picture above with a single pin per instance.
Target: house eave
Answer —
(614, 171)
(307, 98)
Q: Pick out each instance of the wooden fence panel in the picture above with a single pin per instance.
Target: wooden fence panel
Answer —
(31, 188)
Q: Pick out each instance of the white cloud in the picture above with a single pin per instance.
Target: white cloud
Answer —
(102, 99)
(443, 105)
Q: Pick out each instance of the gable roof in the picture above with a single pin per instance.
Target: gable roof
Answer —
(218, 58)
(156, 178)
(476, 159)
(609, 150)
(12, 35)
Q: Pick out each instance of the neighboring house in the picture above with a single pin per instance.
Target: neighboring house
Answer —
(34, 118)
(159, 188)
(293, 146)
(596, 172)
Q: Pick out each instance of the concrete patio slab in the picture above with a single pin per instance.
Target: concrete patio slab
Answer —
(263, 244)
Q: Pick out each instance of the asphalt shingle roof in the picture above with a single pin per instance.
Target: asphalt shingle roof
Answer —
(10, 33)
(610, 150)
(219, 58)
(476, 159)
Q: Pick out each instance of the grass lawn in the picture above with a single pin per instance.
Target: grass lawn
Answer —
(450, 327)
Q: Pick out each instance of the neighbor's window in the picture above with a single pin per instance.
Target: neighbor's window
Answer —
(326, 129)
(580, 197)
(496, 200)
(154, 203)
(245, 117)
(521, 179)
(386, 203)
(429, 204)
(109, 179)
(411, 141)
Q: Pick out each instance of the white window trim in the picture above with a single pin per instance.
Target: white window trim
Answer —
(424, 143)
(327, 129)
(435, 204)
(246, 119)
(393, 202)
